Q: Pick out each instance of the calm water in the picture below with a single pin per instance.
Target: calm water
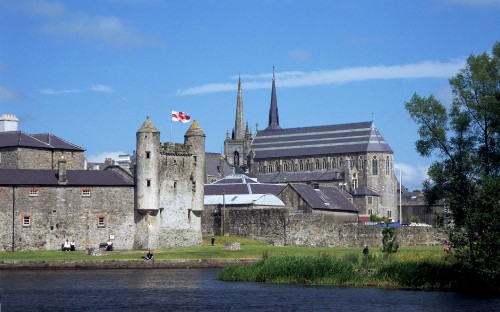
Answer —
(197, 290)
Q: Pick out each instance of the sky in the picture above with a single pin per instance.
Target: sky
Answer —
(91, 72)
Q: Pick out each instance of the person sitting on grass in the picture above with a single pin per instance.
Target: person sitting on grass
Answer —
(149, 256)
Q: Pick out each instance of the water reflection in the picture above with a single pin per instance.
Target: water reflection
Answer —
(197, 290)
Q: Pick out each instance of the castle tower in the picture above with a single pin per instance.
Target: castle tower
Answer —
(147, 168)
(195, 137)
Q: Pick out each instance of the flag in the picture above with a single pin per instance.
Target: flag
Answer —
(180, 116)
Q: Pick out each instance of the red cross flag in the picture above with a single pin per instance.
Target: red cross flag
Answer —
(180, 116)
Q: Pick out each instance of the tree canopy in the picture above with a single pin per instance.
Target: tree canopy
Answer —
(465, 140)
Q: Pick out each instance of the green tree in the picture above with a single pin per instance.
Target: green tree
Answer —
(465, 139)
(389, 242)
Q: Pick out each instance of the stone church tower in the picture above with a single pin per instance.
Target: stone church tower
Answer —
(169, 182)
(237, 147)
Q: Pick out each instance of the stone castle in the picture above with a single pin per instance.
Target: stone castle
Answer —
(47, 196)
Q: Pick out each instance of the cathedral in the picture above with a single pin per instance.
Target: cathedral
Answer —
(353, 157)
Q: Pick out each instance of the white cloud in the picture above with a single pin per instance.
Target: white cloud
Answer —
(99, 158)
(101, 88)
(412, 176)
(49, 91)
(60, 22)
(294, 79)
(8, 94)
(299, 55)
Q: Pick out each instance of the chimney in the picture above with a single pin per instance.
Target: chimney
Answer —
(8, 122)
(61, 171)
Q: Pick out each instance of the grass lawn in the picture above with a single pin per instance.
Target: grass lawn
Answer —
(250, 249)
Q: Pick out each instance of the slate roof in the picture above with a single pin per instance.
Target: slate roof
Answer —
(43, 141)
(241, 184)
(300, 176)
(19, 177)
(212, 164)
(325, 198)
(364, 191)
(319, 140)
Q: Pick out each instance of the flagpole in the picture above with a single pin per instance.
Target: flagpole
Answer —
(400, 203)
(170, 124)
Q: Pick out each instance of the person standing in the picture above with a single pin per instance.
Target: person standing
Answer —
(213, 240)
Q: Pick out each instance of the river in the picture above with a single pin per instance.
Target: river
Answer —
(197, 290)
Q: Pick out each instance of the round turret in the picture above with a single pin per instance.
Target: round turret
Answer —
(147, 169)
(196, 138)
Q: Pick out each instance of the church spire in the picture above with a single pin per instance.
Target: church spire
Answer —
(274, 122)
(239, 124)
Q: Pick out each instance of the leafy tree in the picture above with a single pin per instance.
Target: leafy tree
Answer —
(415, 219)
(389, 242)
(465, 139)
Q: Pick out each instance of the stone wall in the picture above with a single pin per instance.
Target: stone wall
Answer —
(60, 213)
(46, 159)
(279, 227)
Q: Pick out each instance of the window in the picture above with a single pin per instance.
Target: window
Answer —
(193, 185)
(271, 168)
(26, 219)
(102, 221)
(361, 163)
(387, 165)
(85, 193)
(308, 165)
(369, 200)
(334, 163)
(277, 166)
(354, 181)
(374, 165)
(236, 158)
(148, 183)
(148, 155)
(316, 164)
(389, 214)
(175, 184)
(325, 164)
(33, 192)
(351, 162)
(341, 162)
(195, 158)
(261, 168)
(285, 166)
(301, 165)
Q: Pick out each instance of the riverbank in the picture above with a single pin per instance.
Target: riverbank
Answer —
(123, 264)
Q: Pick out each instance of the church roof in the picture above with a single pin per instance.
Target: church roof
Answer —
(319, 140)
(299, 176)
(38, 177)
(43, 141)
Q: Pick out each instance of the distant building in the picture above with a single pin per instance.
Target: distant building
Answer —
(353, 157)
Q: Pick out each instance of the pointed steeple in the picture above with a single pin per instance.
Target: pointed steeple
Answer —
(239, 124)
(274, 122)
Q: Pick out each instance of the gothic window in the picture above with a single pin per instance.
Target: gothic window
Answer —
(270, 168)
(236, 158)
(308, 165)
(374, 166)
(325, 164)
(285, 166)
(261, 168)
(316, 164)
(341, 162)
(361, 163)
(351, 162)
(277, 166)
(301, 165)
(334, 163)
(387, 165)
(354, 181)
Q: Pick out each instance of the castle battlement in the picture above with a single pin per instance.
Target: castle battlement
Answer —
(176, 149)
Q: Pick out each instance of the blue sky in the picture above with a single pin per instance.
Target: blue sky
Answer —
(91, 71)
